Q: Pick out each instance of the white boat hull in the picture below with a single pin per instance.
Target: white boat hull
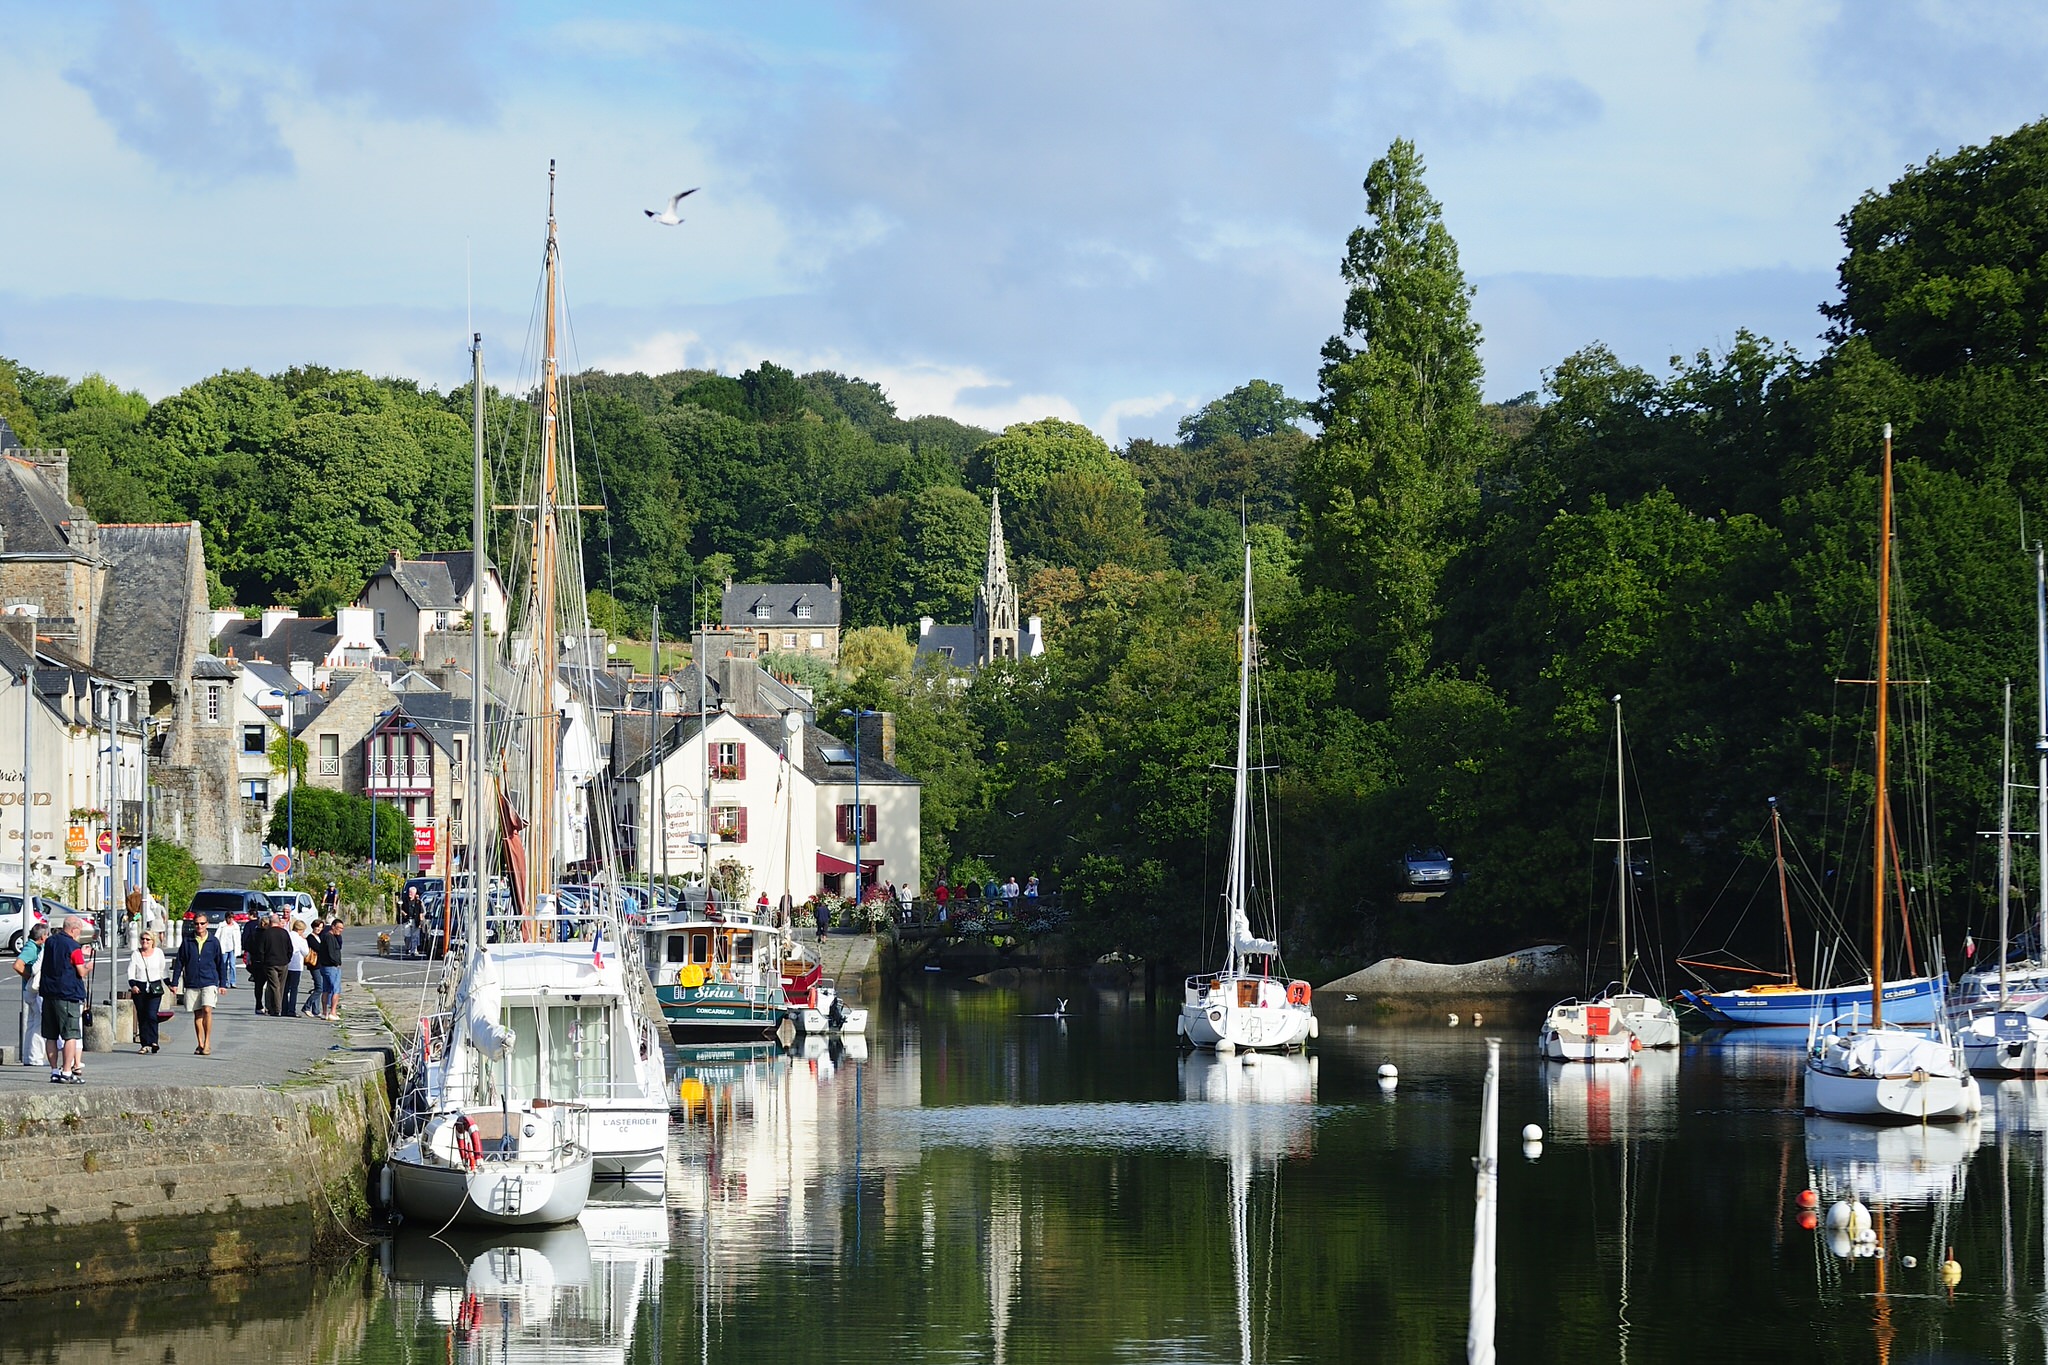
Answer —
(2007, 1043)
(1889, 1076)
(629, 1144)
(1578, 1031)
(1654, 1027)
(498, 1194)
(1220, 1024)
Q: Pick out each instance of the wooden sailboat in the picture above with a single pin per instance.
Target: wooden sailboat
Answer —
(1784, 1003)
(1874, 1071)
(1621, 1020)
(545, 1074)
(1243, 1005)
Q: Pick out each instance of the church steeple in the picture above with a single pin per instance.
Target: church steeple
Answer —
(995, 601)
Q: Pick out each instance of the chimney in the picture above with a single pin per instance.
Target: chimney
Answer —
(21, 629)
(738, 686)
(924, 626)
(223, 618)
(355, 626)
(835, 582)
(878, 737)
(273, 616)
(55, 467)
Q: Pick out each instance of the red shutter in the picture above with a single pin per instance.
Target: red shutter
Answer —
(739, 833)
(867, 824)
(739, 761)
(844, 817)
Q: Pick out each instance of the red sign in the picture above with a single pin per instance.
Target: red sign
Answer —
(423, 840)
(106, 841)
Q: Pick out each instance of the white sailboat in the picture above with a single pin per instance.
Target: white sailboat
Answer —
(1621, 1020)
(1244, 1005)
(546, 1073)
(2003, 1034)
(1874, 1072)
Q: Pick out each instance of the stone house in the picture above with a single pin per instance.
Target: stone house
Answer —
(785, 618)
(410, 599)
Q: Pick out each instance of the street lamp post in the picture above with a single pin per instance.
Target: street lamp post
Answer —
(291, 832)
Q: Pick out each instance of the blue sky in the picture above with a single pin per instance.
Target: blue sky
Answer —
(1111, 212)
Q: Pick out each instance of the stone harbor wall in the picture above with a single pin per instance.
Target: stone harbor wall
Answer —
(104, 1185)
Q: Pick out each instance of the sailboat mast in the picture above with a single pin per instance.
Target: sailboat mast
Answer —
(1884, 683)
(1784, 898)
(1240, 809)
(474, 828)
(2041, 744)
(1621, 842)
(542, 815)
(2004, 842)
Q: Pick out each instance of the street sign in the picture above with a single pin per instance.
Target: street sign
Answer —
(280, 863)
(106, 841)
(423, 841)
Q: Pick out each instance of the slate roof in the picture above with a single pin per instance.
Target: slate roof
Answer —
(441, 716)
(209, 668)
(33, 518)
(953, 644)
(146, 625)
(426, 583)
(744, 602)
(296, 637)
(461, 567)
(768, 729)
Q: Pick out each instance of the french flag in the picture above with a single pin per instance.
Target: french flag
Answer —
(597, 948)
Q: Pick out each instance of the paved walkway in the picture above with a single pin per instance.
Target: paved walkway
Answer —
(248, 1049)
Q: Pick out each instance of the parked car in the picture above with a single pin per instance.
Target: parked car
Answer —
(1428, 869)
(17, 921)
(221, 903)
(297, 904)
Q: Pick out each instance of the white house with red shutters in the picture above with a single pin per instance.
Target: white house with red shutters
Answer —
(774, 792)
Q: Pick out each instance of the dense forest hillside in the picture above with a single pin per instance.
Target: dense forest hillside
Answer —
(1450, 591)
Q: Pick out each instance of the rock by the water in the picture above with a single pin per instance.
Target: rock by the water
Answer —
(1530, 971)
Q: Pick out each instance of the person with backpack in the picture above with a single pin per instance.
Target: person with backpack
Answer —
(65, 963)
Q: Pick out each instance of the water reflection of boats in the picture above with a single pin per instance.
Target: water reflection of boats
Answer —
(542, 1295)
(1602, 1104)
(1906, 1166)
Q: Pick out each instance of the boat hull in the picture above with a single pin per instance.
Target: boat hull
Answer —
(712, 1012)
(629, 1145)
(1259, 1028)
(1915, 1002)
(1884, 1076)
(2008, 1043)
(498, 1194)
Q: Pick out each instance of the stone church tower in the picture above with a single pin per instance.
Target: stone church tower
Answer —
(995, 601)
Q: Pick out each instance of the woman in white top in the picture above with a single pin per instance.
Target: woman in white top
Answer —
(230, 935)
(147, 972)
(294, 973)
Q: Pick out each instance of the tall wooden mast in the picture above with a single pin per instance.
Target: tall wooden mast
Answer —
(546, 727)
(1884, 681)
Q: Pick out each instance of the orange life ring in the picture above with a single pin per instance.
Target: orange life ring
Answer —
(1297, 992)
(468, 1145)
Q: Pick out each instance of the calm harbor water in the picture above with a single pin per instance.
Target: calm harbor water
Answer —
(987, 1183)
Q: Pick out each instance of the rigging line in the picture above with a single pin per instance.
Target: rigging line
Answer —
(611, 578)
(1654, 918)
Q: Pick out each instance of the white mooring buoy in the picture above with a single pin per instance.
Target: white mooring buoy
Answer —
(1532, 1132)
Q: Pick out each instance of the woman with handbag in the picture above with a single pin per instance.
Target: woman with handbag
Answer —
(146, 973)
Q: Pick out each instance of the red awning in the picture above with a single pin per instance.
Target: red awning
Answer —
(831, 865)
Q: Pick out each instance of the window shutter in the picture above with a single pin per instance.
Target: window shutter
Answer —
(739, 832)
(739, 761)
(867, 823)
(845, 823)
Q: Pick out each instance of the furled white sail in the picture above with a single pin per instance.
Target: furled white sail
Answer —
(1243, 941)
(483, 1008)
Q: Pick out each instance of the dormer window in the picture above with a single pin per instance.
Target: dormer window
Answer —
(762, 611)
(803, 611)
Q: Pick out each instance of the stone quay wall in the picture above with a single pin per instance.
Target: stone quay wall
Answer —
(104, 1185)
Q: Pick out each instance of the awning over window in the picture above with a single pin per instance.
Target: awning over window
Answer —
(829, 864)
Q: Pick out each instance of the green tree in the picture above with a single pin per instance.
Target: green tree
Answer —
(173, 875)
(1399, 407)
(880, 651)
(1028, 454)
(947, 528)
(1084, 519)
(1247, 412)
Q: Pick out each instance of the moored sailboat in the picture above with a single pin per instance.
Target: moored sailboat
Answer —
(1874, 1071)
(1621, 1020)
(1243, 1004)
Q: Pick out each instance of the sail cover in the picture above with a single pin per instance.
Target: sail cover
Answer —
(1242, 940)
(483, 1003)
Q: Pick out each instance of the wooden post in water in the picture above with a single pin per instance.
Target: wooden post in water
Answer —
(1479, 1332)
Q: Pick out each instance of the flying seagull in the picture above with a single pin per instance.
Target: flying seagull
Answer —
(671, 217)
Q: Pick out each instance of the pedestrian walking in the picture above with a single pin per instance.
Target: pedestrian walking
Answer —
(327, 975)
(904, 895)
(65, 964)
(942, 893)
(147, 973)
(301, 959)
(823, 914)
(230, 940)
(200, 968)
(27, 967)
(1031, 890)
